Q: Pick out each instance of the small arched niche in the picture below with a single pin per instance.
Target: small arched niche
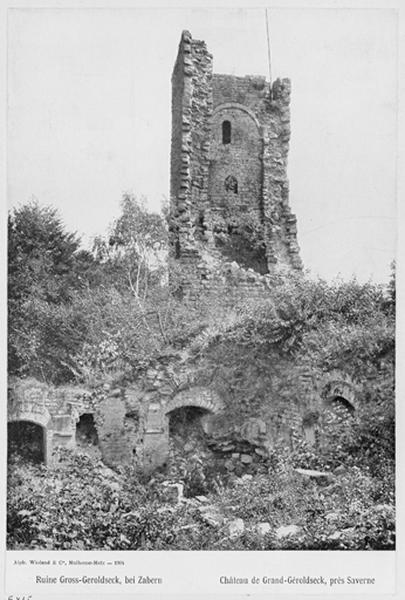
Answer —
(339, 395)
(341, 406)
(27, 440)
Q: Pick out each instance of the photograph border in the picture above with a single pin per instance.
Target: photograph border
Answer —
(201, 564)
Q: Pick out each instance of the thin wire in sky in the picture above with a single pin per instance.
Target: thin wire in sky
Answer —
(268, 44)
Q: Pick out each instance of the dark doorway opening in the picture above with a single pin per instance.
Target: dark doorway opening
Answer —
(27, 440)
(186, 431)
(188, 449)
(186, 419)
(86, 432)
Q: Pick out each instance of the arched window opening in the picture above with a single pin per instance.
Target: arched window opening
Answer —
(86, 432)
(226, 132)
(231, 184)
(26, 440)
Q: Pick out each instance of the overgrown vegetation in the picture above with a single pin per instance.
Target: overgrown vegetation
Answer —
(86, 317)
(83, 505)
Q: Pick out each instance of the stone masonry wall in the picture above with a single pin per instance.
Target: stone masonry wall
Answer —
(240, 98)
(248, 221)
(132, 424)
(239, 205)
(280, 223)
(191, 111)
(57, 410)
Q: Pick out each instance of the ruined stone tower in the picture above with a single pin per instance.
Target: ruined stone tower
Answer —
(230, 228)
(229, 186)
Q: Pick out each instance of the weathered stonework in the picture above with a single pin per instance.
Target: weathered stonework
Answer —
(230, 229)
(229, 186)
(132, 424)
(55, 410)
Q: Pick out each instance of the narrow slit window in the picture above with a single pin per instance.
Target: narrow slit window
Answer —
(226, 132)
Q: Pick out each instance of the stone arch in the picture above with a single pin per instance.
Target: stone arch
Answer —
(236, 105)
(38, 418)
(197, 397)
(339, 387)
(157, 422)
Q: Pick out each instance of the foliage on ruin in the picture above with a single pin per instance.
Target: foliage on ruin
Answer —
(68, 307)
(87, 318)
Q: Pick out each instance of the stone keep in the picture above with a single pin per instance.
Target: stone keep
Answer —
(229, 187)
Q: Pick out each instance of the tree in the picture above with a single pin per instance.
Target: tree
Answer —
(45, 268)
(44, 260)
(133, 256)
(73, 314)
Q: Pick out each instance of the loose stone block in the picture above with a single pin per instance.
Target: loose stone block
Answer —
(287, 530)
(263, 529)
(236, 528)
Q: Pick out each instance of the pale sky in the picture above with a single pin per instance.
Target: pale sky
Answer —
(89, 116)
